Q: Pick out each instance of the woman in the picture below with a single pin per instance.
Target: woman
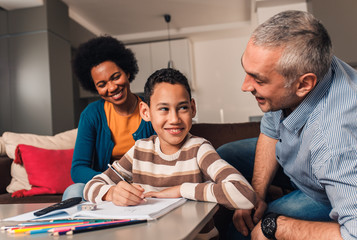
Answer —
(109, 127)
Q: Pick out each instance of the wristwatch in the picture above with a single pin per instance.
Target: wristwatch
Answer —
(269, 225)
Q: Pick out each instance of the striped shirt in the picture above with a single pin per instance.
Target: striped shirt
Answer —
(197, 167)
(317, 144)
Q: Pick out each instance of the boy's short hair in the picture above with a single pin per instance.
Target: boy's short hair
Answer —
(167, 75)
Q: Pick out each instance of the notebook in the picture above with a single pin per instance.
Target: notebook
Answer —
(153, 208)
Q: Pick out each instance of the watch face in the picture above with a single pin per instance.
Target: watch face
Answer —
(269, 227)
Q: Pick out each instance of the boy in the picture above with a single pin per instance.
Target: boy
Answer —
(172, 163)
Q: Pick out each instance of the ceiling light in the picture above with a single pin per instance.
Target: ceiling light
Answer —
(167, 18)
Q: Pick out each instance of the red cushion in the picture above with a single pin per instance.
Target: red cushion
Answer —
(49, 171)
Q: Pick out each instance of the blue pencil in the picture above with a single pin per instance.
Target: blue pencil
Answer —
(38, 231)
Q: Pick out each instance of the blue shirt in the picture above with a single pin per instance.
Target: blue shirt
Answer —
(317, 145)
(94, 144)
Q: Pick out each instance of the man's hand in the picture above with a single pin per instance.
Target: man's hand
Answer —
(243, 219)
(257, 233)
(125, 194)
(172, 192)
(294, 229)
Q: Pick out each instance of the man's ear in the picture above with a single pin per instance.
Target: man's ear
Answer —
(144, 111)
(306, 83)
(193, 107)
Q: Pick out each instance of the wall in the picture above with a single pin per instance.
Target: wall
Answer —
(219, 74)
(266, 8)
(340, 20)
(218, 81)
(5, 108)
(36, 78)
(78, 34)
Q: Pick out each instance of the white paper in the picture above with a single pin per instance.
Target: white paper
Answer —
(152, 209)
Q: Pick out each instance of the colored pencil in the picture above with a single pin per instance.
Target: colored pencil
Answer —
(45, 230)
(53, 222)
(104, 226)
(38, 227)
(48, 225)
(66, 229)
(39, 223)
(35, 224)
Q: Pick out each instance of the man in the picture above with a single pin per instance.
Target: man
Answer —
(309, 128)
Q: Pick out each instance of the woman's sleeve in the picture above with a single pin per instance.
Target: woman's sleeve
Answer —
(81, 170)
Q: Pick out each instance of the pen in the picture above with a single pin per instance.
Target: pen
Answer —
(117, 173)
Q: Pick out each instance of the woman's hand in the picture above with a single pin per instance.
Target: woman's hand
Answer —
(125, 194)
(172, 192)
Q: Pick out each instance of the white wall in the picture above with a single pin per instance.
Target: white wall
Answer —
(266, 9)
(218, 79)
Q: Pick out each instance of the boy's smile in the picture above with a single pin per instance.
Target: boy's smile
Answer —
(171, 111)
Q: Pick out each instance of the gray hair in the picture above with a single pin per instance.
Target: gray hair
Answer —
(307, 47)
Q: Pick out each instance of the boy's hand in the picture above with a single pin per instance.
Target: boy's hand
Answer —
(172, 192)
(244, 221)
(125, 194)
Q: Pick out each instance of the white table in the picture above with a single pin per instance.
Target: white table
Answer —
(183, 222)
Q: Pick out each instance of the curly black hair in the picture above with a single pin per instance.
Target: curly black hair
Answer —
(98, 50)
(167, 75)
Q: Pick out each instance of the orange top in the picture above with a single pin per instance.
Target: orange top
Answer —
(122, 128)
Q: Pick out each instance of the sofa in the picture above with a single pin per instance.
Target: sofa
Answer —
(217, 133)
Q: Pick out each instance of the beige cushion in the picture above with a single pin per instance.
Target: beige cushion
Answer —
(64, 140)
(19, 181)
(2, 147)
